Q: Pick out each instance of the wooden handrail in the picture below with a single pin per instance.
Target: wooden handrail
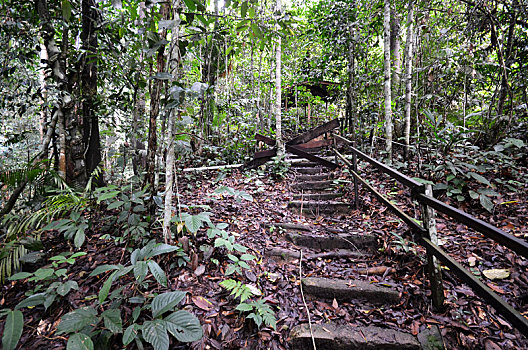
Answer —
(518, 245)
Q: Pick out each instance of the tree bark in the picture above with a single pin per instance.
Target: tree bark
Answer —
(174, 63)
(395, 51)
(387, 83)
(408, 78)
(278, 90)
(154, 112)
(90, 121)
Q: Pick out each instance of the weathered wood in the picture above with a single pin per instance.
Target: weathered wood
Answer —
(516, 244)
(313, 133)
(267, 140)
(505, 309)
(433, 267)
(266, 154)
(300, 152)
(315, 144)
(216, 167)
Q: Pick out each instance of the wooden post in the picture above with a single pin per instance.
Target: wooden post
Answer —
(354, 167)
(433, 267)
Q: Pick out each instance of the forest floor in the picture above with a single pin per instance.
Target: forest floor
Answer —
(467, 322)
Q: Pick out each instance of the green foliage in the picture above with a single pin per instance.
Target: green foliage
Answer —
(237, 289)
(72, 228)
(259, 312)
(279, 168)
(13, 327)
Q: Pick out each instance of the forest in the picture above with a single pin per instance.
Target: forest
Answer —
(243, 174)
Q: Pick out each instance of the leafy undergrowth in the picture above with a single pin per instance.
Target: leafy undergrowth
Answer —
(244, 299)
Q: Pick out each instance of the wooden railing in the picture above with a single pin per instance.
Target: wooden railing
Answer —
(426, 235)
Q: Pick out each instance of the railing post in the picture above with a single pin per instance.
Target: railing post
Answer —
(354, 167)
(433, 267)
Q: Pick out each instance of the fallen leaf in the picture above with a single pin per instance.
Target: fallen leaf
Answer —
(472, 261)
(202, 303)
(496, 274)
(334, 304)
(496, 288)
(199, 270)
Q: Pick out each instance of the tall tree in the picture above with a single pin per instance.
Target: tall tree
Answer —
(408, 77)
(155, 95)
(173, 65)
(278, 88)
(387, 81)
(90, 120)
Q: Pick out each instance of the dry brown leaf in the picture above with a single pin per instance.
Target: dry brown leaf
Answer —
(202, 303)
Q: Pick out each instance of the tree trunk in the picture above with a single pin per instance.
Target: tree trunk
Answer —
(395, 51)
(278, 91)
(387, 84)
(174, 62)
(408, 78)
(43, 91)
(154, 112)
(90, 121)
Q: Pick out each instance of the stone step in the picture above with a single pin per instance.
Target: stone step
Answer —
(321, 177)
(309, 170)
(333, 241)
(317, 196)
(329, 336)
(304, 164)
(347, 290)
(289, 226)
(318, 207)
(314, 185)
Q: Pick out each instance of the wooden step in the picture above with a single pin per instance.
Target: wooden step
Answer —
(317, 196)
(349, 290)
(333, 241)
(304, 165)
(314, 185)
(329, 336)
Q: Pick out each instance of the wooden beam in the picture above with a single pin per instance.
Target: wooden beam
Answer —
(313, 133)
(267, 140)
(266, 154)
(309, 156)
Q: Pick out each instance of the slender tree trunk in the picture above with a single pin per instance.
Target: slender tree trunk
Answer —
(43, 91)
(350, 110)
(91, 137)
(395, 51)
(408, 78)
(154, 112)
(387, 84)
(278, 91)
(174, 63)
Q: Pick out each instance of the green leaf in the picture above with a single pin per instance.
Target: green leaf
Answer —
(480, 178)
(66, 10)
(79, 238)
(157, 272)
(66, 287)
(105, 289)
(248, 257)
(165, 302)
(77, 320)
(140, 271)
(193, 223)
(155, 332)
(244, 307)
(33, 300)
(161, 248)
(13, 327)
(473, 194)
(184, 326)
(115, 205)
(486, 203)
(256, 31)
(79, 341)
(42, 274)
(112, 320)
(104, 268)
(20, 276)
(130, 334)
(243, 9)
(107, 195)
(190, 5)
